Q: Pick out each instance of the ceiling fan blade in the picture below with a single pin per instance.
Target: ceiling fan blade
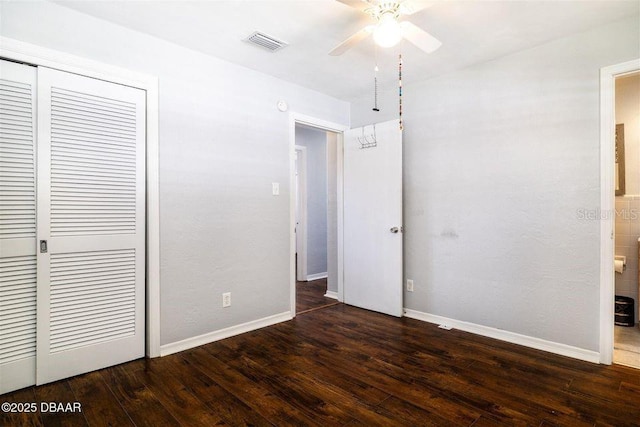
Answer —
(420, 38)
(352, 41)
(409, 7)
(356, 4)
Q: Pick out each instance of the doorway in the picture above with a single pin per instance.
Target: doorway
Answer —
(620, 191)
(333, 135)
(627, 222)
(368, 215)
(315, 217)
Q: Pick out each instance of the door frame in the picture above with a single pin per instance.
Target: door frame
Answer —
(301, 203)
(321, 124)
(608, 76)
(31, 54)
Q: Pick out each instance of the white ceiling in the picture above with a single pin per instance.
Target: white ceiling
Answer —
(471, 32)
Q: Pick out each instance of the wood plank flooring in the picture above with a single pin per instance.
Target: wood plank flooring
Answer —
(310, 296)
(342, 366)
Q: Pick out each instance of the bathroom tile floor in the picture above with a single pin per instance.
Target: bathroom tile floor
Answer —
(627, 346)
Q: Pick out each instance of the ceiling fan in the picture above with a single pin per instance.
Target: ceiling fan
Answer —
(389, 30)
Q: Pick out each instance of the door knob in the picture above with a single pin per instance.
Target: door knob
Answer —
(394, 230)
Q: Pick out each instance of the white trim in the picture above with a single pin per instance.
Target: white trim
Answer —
(302, 226)
(502, 335)
(36, 55)
(153, 222)
(231, 331)
(317, 276)
(31, 54)
(328, 126)
(340, 209)
(331, 294)
(607, 203)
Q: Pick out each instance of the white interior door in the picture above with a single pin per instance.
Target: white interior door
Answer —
(91, 210)
(17, 226)
(373, 218)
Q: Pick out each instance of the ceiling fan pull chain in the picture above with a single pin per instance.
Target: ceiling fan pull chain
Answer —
(375, 80)
(400, 91)
(375, 92)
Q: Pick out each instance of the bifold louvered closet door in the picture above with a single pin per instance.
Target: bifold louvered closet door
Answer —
(17, 226)
(73, 262)
(91, 208)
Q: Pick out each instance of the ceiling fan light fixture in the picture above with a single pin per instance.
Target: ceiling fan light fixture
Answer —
(388, 31)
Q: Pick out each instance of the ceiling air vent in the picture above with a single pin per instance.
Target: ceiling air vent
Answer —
(265, 41)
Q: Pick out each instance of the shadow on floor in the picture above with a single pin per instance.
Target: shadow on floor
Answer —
(310, 296)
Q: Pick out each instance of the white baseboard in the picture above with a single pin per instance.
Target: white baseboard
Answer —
(331, 294)
(512, 337)
(317, 276)
(207, 338)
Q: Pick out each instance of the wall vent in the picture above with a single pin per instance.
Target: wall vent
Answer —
(265, 41)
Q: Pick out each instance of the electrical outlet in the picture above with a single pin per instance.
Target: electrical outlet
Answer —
(275, 188)
(409, 285)
(226, 299)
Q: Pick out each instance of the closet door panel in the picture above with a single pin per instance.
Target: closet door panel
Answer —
(91, 213)
(17, 226)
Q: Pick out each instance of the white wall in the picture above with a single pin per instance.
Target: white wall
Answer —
(499, 159)
(316, 142)
(628, 206)
(222, 144)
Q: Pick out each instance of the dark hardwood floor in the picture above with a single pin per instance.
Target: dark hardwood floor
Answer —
(345, 366)
(310, 296)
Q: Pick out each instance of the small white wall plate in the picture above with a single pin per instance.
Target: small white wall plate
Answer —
(282, 106)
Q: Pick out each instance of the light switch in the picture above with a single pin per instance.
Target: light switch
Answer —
(276, 188)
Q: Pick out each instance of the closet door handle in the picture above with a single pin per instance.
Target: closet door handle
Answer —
(43, 246)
